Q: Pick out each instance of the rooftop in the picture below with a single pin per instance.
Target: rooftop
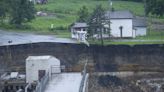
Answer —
(139, 22)
(38, 57)
(78, 24)
(122, 14)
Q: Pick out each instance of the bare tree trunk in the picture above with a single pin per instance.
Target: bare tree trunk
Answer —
(101, 37)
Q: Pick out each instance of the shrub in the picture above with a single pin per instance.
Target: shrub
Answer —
(60, 28)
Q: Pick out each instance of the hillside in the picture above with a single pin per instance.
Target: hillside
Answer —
(62, 13)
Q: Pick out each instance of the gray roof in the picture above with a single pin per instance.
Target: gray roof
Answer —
(80, 25)
(124, 14)
(139, 22)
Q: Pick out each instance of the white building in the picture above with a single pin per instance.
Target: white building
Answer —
(123, 24)
(77, 29)
(38, 66)
(139, 25)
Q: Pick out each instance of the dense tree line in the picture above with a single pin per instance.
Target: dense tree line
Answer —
(17, 11)
(154, 7)
(83, 14)
(3, 10)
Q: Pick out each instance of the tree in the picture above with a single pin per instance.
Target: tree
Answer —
(21, 11)
(96, 22)
(3, 10)
(83, 14)
(154, 7)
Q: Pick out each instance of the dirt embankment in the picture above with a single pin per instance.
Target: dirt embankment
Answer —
(102, 58)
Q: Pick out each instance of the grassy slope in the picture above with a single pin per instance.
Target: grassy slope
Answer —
(66, 11)
(108, 42)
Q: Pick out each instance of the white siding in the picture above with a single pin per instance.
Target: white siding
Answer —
(140, 31)
(74, 32)
(127, 27)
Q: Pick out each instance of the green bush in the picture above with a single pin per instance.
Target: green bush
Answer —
(60, 28)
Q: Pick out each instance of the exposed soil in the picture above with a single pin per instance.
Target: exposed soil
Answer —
(137, 83)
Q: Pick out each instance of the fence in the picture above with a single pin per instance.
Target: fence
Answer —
(84, 79)
(40, 87)
(27, 87)
(56, 69)
(42, 84)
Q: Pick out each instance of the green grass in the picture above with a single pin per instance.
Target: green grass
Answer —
(72, 6)
(109, 42)
(63, 34)
(134, 43)
(157, 20)
(66, 11)
(153, 35)
(43, 23)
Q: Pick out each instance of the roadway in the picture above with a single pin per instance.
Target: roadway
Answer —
(15, 38)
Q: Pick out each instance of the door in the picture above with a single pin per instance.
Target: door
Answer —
(41, 74)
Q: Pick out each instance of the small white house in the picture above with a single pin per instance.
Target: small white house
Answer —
(121, 23)
(78, 28)
(125, 24)
(38, 66)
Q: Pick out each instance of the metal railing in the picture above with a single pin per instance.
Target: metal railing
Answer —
(41, 86)
(84, 72)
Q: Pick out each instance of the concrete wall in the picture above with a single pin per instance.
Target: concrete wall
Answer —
(104, 57)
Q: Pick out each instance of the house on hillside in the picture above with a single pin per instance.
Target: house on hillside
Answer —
(77, 29)
(123, 25)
